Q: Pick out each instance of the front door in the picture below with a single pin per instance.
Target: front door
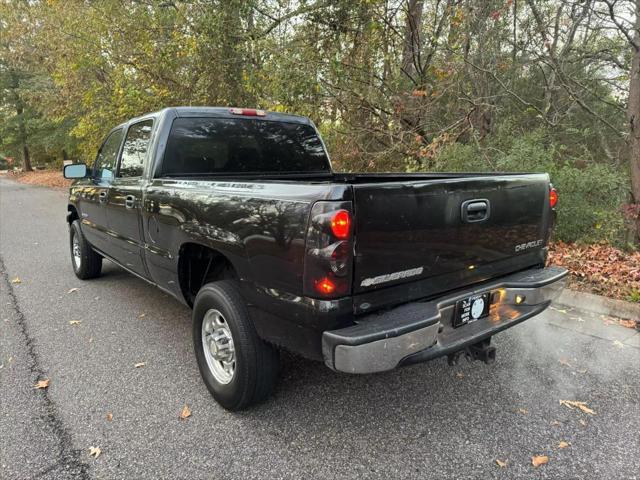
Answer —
(92, 198)
(125, 200)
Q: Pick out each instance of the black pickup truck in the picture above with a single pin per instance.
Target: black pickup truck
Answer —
(237, 213)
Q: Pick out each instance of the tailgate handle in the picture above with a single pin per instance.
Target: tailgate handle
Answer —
(475, 210)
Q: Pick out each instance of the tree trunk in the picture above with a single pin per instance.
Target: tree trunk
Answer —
(22, 130)
(634, 118)
(412, 31)
(26, 159)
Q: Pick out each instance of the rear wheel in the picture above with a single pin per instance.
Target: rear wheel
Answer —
(85, 261)
(236, 365)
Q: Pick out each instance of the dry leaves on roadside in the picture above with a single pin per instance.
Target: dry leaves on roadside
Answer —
(599, 268)
(523, 411)
(74, 289)
(42, 384)
(185, 413)
(459, 375)
(75, 322)
(142, 315)
(94, 452)
(618, 344)
(538, 460)
(109, 416)
(140, 365)
(500, 463)
(628, 323)
(563, 444)
(16, 280)
(573, 404)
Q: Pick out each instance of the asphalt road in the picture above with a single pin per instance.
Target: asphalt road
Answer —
(423, 421)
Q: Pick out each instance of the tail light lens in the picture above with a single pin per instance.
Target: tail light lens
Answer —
(329, 251)
(553, 197)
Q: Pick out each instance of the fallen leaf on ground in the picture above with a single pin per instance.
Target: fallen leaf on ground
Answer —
(563, 444)
(572, 404)
(583, 423)
(142, 315)
(185, 413)
(16, 280)
(559, 310)
(139, 365)
(627, 323)
(74, 289)
(41, 384)
(618, 344)
(75, 322)
(500, 463)
(460, 375)
(523, 411)
(109, 416)
(539, 460)
(94, 452)
(564, 361)
(555, 423)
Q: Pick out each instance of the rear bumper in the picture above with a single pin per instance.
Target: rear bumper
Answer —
(419, 331)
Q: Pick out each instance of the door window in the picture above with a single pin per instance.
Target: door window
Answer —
(135, 149)
(105, 165)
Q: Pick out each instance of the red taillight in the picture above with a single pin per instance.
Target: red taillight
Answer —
(328, 261)
(553, 197)
(341, 224)
(249, 112)
(325, 286)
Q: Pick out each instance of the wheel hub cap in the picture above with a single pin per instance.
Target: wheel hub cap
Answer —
(217, 343)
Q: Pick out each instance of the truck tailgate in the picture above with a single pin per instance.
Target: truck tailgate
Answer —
(448, 228)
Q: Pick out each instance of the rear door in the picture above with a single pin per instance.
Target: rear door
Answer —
(93, 196)
(125, 199)
(448, 232)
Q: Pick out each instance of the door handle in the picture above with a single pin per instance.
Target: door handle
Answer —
(475, 210)
(130, 201)
(102, 197)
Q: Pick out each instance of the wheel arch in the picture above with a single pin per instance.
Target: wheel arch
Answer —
(199, 264)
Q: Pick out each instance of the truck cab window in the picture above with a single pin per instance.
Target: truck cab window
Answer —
(209, 146)
(135, 149)
(105, 164)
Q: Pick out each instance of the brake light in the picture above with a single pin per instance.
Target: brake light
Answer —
(341, 224)
(325, 286)
(249, 112)
(328, 257)
(553, 197)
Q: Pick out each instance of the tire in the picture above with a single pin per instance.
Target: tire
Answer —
(85, 261)
(255, 363)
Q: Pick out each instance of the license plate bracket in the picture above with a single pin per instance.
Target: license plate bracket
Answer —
(470, 309)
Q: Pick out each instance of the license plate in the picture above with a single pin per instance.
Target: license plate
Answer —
(471, 309)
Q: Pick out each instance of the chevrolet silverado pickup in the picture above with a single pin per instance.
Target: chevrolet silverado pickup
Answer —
(238, 214)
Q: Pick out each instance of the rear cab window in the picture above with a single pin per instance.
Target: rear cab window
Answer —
(222, 146)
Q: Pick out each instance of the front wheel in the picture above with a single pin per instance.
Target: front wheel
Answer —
(237, 366)
(85, 261)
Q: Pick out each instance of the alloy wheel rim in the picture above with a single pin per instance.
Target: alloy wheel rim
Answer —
(75, 251)
(217, 343)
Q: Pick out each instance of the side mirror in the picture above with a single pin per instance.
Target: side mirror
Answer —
(75, 170)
